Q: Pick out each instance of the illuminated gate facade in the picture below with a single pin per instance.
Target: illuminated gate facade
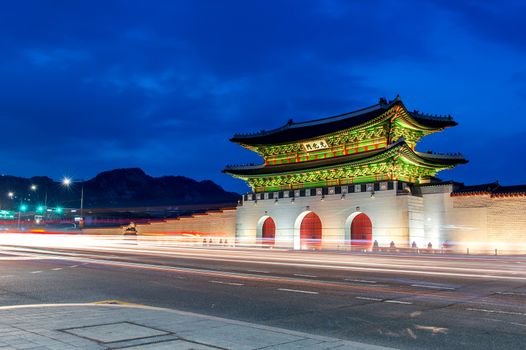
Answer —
(331, 166)
(361, 231)
(310, 232)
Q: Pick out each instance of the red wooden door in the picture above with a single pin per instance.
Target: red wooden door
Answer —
(361, 231)
(310, 232)
(268, 232)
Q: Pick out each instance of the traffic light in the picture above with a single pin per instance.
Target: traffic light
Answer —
(58, 210)
(23, 207)
(40, 209)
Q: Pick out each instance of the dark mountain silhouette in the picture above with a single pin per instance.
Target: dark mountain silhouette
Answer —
(111, 189)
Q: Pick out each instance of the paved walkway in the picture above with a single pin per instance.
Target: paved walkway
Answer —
(137, 327)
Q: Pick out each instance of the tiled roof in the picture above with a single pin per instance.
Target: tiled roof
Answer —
(492, 189)
(292, 131)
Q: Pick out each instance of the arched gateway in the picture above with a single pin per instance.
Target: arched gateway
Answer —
(266, 231)
(361, 231)
(310, 231)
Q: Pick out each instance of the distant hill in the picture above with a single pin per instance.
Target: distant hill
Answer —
(130, 187)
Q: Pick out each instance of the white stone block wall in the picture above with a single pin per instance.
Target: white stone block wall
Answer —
(458, 222)
(215, 223)
(415, 212)
(387, 211)
(480, 223)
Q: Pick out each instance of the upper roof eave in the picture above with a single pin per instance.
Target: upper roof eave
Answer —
(262, 169)
(293, 132)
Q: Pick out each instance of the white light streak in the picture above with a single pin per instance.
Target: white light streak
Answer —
(297, 291)
(369, 298)
(227, 283)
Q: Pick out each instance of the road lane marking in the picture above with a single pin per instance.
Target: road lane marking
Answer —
(432, 329)
(497, 312)
(258, 271)
(502, 321)
(359, 281)
(297, 291)
(432, 287)
(398, 302)
(36, 271)
(301, 275)
(369, 298)
(7, 276)
(57, 269)
(227, 283)
(511, 293)
(411, 333)
(73, 266)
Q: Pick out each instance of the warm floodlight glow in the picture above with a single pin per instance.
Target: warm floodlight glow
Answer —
(11, 195)
(66, 181)
(33, 187)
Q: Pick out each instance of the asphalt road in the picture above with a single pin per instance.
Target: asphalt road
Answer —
(406, 302)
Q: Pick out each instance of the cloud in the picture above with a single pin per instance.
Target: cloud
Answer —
(500, 22)
(56, 57)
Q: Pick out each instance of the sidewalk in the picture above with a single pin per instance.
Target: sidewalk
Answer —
(136, 327)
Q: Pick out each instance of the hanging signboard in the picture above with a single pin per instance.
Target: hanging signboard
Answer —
(315, 145)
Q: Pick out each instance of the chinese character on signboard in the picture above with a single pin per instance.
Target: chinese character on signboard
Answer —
(315, 145)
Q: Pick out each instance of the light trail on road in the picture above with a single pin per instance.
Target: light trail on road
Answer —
(344, 291)
(167, 247)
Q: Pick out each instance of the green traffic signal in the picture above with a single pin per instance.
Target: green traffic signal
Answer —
(40, 209)
(23, 207)
(58, 210)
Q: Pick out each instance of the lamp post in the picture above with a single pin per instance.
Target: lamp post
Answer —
(11, 196)
(67, 182)
(21, 208)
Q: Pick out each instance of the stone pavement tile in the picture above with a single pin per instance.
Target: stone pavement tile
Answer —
(173, 345)
(14, 340)
(25, 345)
(303, 344)
(233, 336)
(176, 324)
(349, 345)
(49, 332)
(115, 332)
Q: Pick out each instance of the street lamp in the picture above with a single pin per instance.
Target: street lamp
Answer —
(21, 208)
(67, 182)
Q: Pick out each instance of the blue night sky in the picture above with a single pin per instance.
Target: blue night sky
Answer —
(88, 86)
